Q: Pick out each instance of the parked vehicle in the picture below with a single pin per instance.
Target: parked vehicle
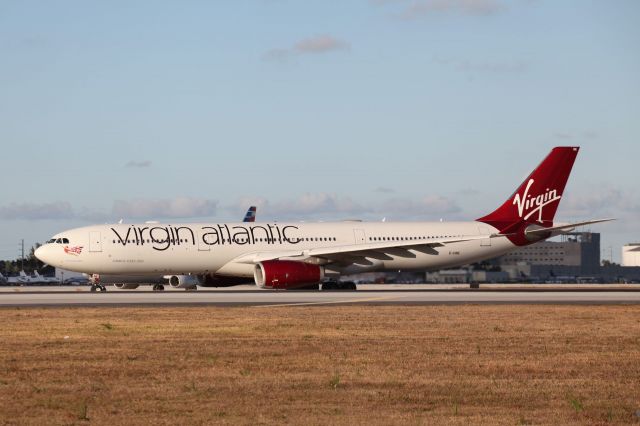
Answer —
(76, 281)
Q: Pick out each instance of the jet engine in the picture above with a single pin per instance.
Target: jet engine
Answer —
(287, 274)
(125, 286)
(182, 281)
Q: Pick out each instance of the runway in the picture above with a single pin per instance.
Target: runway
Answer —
(380, 295)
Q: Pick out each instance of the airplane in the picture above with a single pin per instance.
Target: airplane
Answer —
(23, 279)
(12, 280)
(36, 277)
(31, 279)
(251, 215)
(299, 255)
(184, 281)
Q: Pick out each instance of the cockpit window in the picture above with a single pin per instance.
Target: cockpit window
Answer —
(61, 240)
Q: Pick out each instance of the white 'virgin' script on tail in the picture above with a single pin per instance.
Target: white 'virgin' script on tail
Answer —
(527, 201)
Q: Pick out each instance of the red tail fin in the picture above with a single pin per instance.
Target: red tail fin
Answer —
(537, 199)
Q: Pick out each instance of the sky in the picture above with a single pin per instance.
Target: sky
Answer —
(315, 110)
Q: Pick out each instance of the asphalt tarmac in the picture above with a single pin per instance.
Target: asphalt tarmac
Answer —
(366, 295)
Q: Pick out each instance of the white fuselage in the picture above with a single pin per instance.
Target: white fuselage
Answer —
(201, 248)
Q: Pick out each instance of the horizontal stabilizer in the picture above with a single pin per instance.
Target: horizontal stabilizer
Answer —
(565, 227)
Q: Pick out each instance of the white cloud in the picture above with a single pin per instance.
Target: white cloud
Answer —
(313, 45)
(563, 135)
(326, 206)
(37, 211)
(384, 190)
(138, 164)
(604, 202)
(180, 207)
(585, 134)
(431, 207)
(320, 44)
(420, 8)
(278, 55)
(416, 9)
(315, 204)
(601, 200)
(463, 65)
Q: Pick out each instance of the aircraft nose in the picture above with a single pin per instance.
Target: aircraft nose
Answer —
(41, 253)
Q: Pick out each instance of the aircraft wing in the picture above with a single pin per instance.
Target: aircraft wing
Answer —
(357, 253)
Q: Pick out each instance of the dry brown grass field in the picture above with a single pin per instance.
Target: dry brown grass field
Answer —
(521, 364)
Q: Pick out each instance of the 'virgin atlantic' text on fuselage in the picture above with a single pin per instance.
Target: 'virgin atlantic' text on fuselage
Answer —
(163, 237)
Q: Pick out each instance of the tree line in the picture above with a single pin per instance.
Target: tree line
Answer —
(31, 263)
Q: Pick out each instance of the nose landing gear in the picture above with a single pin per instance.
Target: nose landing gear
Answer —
(95, 283)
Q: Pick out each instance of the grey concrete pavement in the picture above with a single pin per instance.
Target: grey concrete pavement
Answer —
(380, 295)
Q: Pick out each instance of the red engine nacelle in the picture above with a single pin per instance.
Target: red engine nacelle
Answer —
(286, 274)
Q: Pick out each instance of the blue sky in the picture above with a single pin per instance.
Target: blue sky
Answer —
(315, 110)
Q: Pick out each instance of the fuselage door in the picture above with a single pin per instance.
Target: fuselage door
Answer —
(486, 242)
(95, 241)
(203, 239)
(359, 236)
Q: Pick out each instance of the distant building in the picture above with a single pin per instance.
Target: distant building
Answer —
(579, 250)
(575, 258)
(63, 274)
(631, 255)
(449, 276)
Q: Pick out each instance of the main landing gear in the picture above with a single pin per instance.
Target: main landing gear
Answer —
(158, 287)
(95, 283)
(338, 285)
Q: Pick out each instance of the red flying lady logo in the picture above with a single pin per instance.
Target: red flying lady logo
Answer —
(76, 250)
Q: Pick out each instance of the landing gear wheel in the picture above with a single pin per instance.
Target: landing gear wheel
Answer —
(329, 285)
(94, 279)
(307, 287)
(347, 285)
(350, 286)
(158, 287)
(339, 285)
